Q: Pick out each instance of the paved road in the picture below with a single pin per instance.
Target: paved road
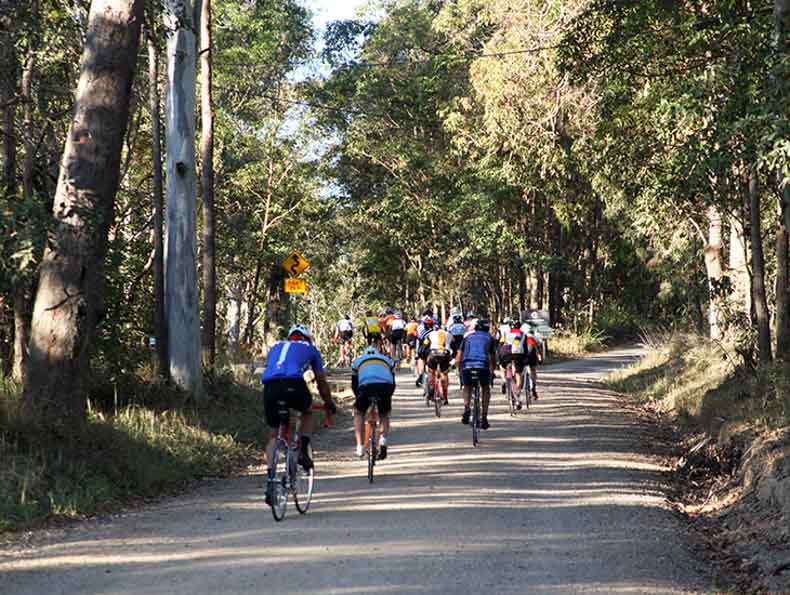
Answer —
(561, 500)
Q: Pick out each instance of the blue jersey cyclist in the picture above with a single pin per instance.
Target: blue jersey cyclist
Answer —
(283, 381)
(477, 352)
(372, 375)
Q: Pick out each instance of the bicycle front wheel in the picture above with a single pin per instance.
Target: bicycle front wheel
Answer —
(303, 486)
(277, 481)
(437, 398)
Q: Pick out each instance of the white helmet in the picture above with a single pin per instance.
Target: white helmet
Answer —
(454, 311)
(301, 329)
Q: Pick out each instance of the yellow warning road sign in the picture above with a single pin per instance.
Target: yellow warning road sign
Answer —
(295, 286)
(295, 264)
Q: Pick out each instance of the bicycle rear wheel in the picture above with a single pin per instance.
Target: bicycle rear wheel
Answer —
(510, 398)
(303, 482)
(371, 449)
(476, 417)
(278, 480)
(437, 395)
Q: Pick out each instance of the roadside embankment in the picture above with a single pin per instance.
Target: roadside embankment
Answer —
(730, 433)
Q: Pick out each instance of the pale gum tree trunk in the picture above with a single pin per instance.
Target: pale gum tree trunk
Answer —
(160, 326)
(181, 290)
(713, 268)
(781, 43)
(70, 298)
(739, 272)
(208, 338)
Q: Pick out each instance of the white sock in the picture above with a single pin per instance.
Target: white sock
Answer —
(359, 449)
(383, 441)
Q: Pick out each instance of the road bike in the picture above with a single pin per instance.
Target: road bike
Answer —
(397, 352)
(371, 434)
(474, 377)
(285, 474)
(439, 393)
(346, 354)
(510, 383)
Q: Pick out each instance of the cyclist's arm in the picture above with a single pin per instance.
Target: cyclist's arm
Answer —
(323, 387)
(354, 383)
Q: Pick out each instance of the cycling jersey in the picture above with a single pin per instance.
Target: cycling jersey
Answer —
(344, 325)
(514, 339)
(397, 324)
(457, 329)
(438, 342)
(479, 349)
(411, 329)
(290, 360)
(372, 325)
(373, 368)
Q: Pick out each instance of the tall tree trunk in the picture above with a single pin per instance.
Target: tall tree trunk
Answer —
(713, 268)
(782, 281)
(70, 298)
(253, 302)
(160, 323)
(181, 288)
(207, 172)
(758, 272)
(739, 271)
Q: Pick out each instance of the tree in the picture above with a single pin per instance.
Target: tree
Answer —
(181, 295)
(69, 301)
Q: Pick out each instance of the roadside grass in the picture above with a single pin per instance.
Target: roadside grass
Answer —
(568, 344)
(140, 440)
(704, 387)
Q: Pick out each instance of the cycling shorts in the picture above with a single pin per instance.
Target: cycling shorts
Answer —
(382, 390)
(484, 374)
(531, 357)
(346, 336)
(374, 337)
(292, 391)
(455, 343)
(396, 336)
(411, 340)
(439, 360)
(423, 351)
(518, 359)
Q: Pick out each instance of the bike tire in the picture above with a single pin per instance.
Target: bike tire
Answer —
(371, 451)
(437, 398)
(426, 389)
(278, 483)
(510, 397)
(476, 417)
(303, 484)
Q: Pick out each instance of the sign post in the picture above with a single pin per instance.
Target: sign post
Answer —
(294, 264)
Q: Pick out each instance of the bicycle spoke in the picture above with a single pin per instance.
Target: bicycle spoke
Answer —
(276, 486)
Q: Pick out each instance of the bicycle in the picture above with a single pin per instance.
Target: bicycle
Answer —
(346, 354)
(511, 396)
(371, 429)
(284, 472)
(475, 422)
(439, 394)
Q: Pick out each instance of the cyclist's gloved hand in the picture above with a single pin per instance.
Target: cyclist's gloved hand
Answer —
(331, 407)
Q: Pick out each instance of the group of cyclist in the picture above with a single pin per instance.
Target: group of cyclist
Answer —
(465, 342)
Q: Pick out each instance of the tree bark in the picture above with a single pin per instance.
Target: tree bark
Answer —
(253, 302)
(713, 268)
(738, 269)
(758, 272)
(70, 298)
(160, 322)
(207, 171)
(181, 289)
(782, 280)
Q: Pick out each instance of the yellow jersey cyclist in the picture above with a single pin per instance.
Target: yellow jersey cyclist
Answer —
(372, 329)
(283, 380)
(372, 375)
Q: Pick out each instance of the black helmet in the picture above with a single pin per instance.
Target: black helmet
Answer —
(427, 312)
(482, 325)
(471, 314)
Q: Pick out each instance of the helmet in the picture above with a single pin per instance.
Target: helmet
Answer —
(457, 318)
(398, 315)
(482, 325)
(300, 329)
(471, 314)
(427, 312)
(455, 312)
(371, 351)
(428, 322)
(389, 311)
(506, 320)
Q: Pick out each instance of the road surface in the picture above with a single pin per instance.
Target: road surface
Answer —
(560, 500)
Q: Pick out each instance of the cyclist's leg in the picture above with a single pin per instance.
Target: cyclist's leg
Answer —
(445, 377)
(467, 391)
(485, 385)
(385, 392)
(361, 405)
(272, 392)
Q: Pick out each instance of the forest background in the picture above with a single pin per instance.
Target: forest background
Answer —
(621, 165)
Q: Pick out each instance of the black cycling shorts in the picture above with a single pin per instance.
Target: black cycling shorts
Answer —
(439, 360)
(396, 336)
(519, 359)
(374, 337)
(346, 336)
(382, 390)
(483, 374)
(411, 340)
(293, 392)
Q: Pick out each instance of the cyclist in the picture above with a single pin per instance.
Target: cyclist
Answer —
(470, 320)
(477, 352)
(372, 329)
(533, 355)
(512, 348)
(344, 333)
(437, 343)
(372, 374)
(423, 329)
(504, 328)
(411, 338)
(397, 328)
(456, 328)
(283, 380)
